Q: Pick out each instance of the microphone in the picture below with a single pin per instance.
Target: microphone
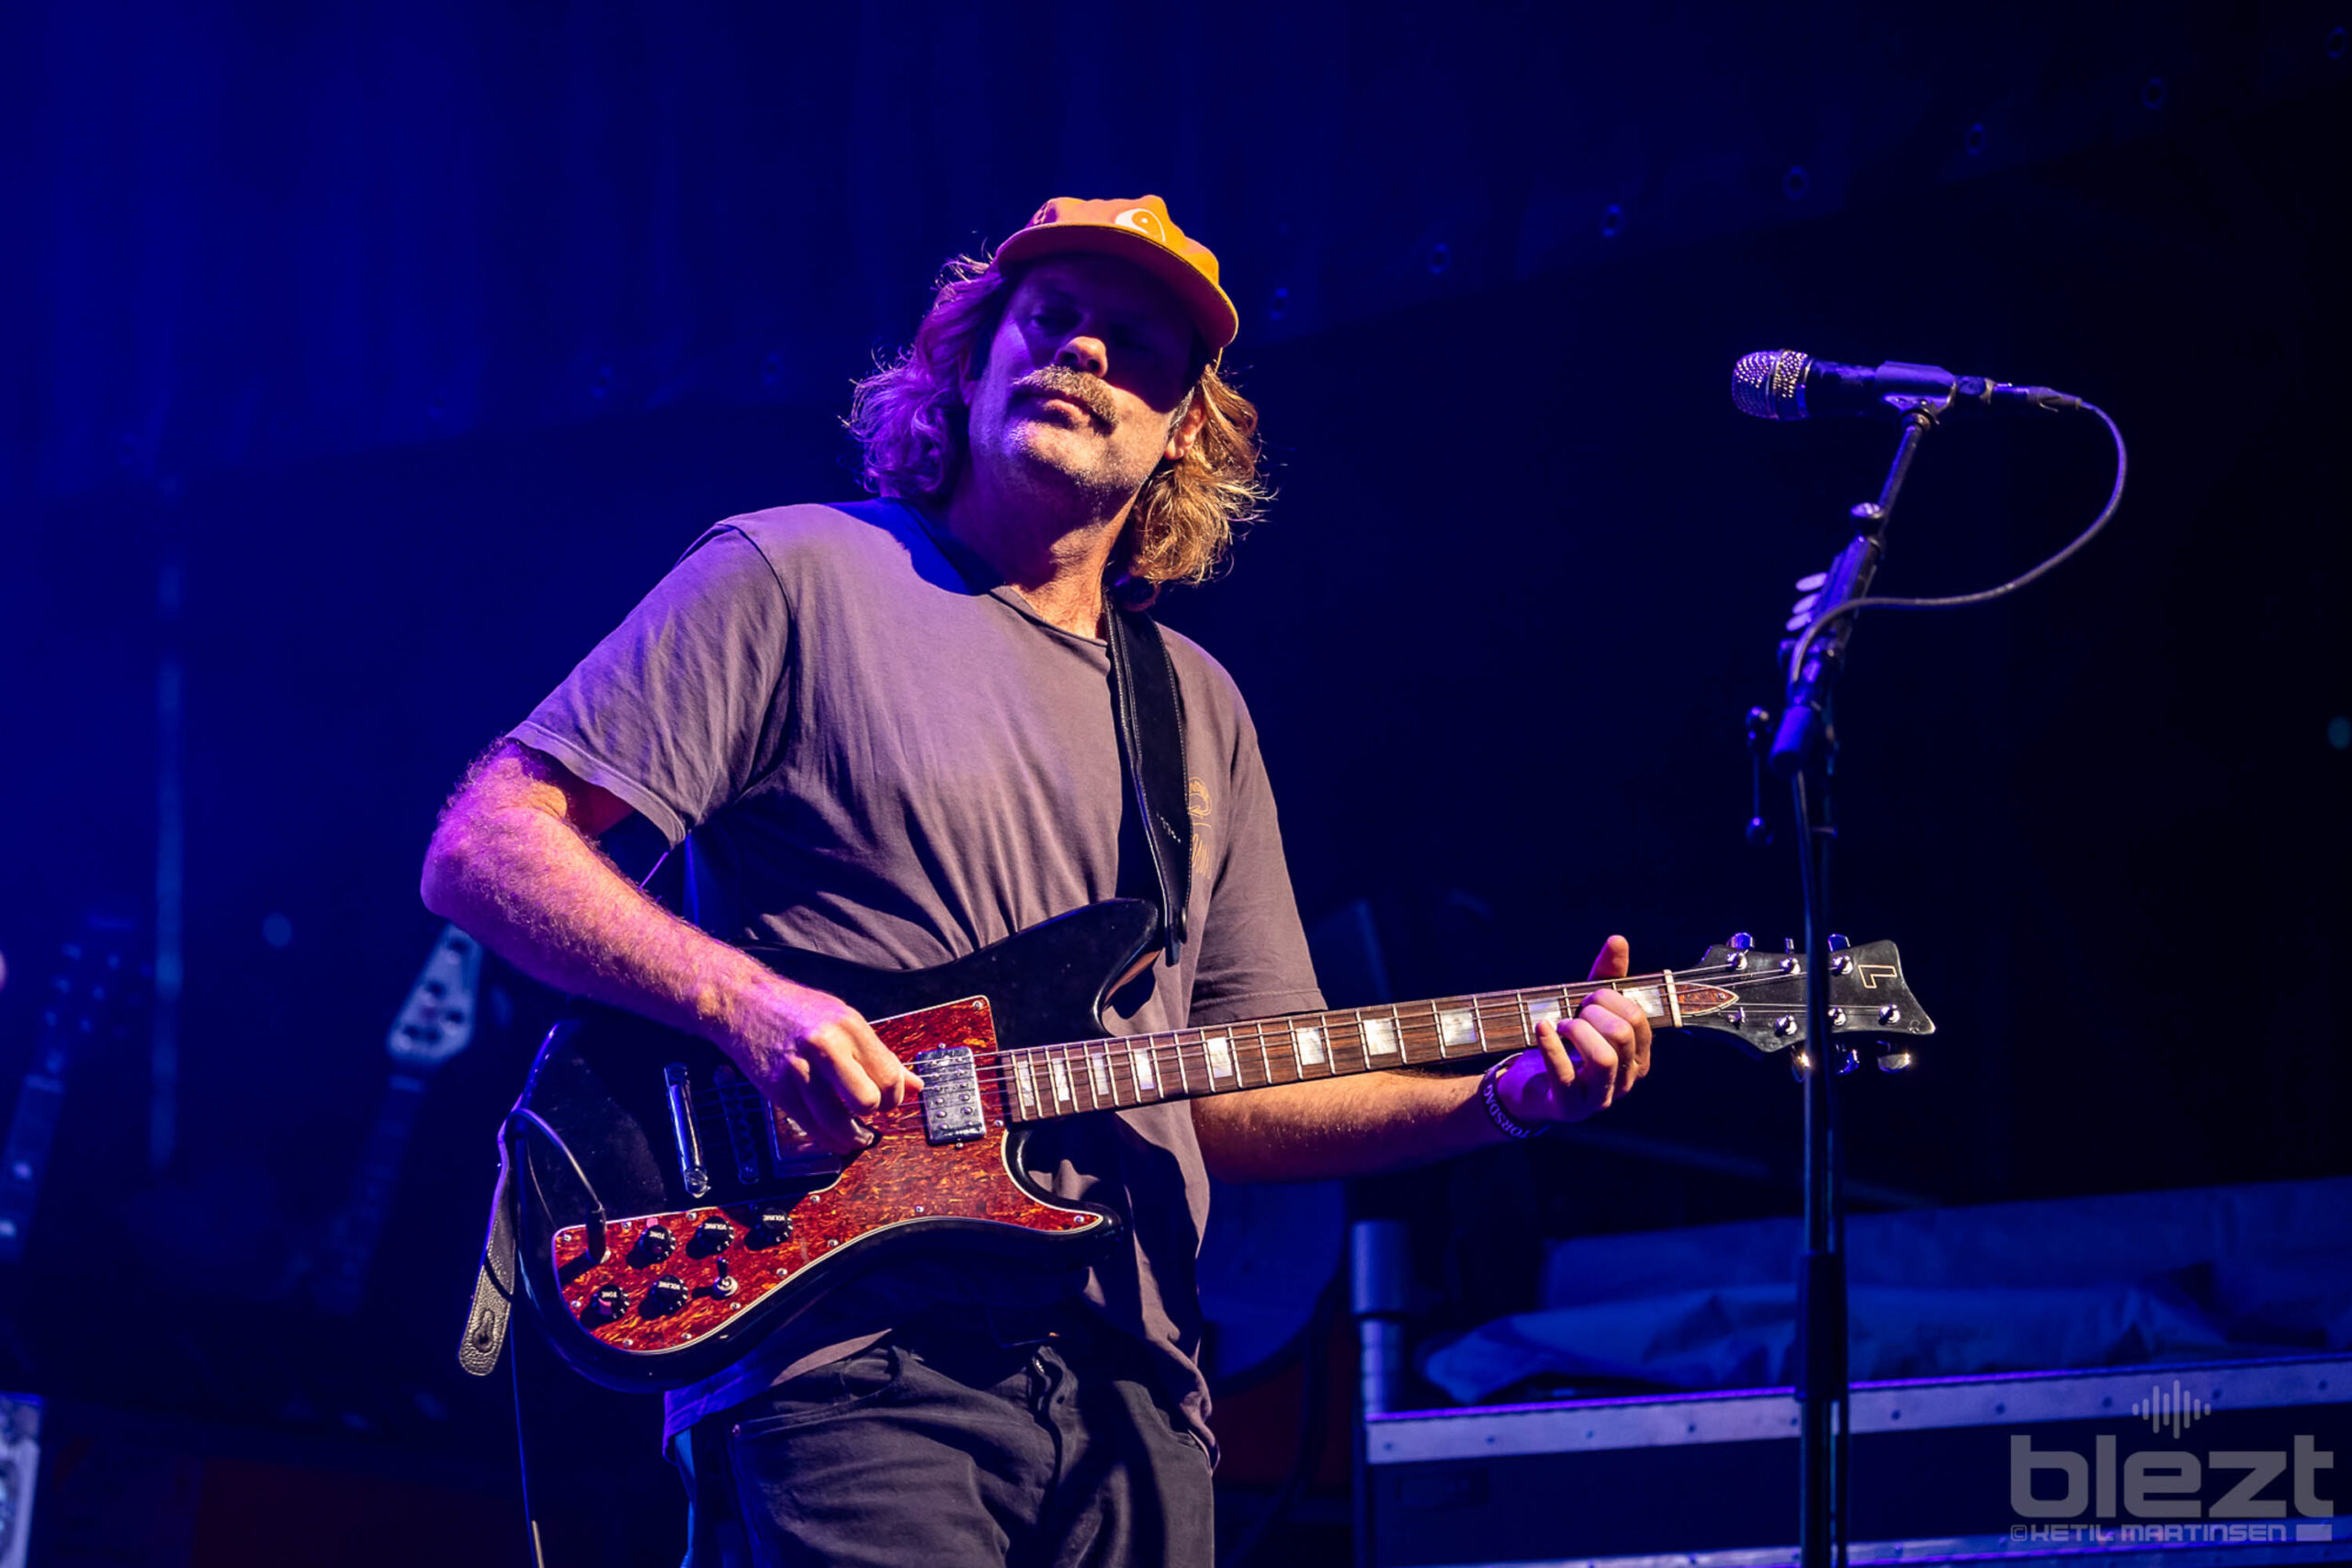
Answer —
(1784, 384)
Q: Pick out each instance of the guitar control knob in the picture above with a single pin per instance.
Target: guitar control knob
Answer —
(714, 1235)
(668, 1295)
(654, 1246)
(771, 1222)
(605, 1304)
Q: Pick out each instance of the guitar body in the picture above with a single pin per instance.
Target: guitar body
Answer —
(713, 1240)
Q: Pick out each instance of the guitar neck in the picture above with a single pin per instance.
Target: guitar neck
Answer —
(353, 1234)
(1044, 1082)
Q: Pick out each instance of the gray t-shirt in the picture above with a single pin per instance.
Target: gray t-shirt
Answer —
(873, 750)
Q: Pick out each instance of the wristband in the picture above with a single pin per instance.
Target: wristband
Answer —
(1509, 1125)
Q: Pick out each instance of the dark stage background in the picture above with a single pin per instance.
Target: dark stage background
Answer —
(364, 368)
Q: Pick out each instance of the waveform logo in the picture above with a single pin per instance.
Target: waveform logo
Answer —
(2174, 1407)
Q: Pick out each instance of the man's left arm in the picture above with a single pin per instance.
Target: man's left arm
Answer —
(1377, 1121)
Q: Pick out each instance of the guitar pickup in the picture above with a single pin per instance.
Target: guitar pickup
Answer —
(952, 1113)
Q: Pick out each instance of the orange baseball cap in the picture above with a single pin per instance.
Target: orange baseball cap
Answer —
(1137, 231)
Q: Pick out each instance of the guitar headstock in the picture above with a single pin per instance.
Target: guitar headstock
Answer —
(1868, 998)
(437, 1020)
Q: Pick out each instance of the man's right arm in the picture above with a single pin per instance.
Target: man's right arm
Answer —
(515, 863)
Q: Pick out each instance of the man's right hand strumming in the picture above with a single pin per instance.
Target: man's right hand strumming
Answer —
(813, 1056)
(515, 863)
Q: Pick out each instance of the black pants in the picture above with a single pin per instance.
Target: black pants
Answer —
(944, 1446)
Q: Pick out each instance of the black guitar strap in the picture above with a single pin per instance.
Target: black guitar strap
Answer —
(1150, 710)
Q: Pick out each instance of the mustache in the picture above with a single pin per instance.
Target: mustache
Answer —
(1061, 381)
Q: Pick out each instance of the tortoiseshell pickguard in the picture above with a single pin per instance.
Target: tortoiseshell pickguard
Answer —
(903, 1179)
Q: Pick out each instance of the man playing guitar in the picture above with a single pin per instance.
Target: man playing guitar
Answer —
(883, 732)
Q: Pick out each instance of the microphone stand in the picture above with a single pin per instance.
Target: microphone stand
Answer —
(1804, 753)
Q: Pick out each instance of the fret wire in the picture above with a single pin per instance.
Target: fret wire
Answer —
(1265, 1063)
(1482, 1005)
(1719, 977)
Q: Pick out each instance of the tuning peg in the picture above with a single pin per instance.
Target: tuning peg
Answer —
(1848, 1059)
(1838, 942)
(1813, 584)
(1740, 942)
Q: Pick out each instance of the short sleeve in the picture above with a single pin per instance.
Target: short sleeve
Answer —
(677, 711)
(1253, 958)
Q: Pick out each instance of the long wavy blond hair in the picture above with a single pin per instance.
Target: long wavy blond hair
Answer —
(909, 418)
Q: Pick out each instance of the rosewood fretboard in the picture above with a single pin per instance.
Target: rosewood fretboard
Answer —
(1047, 1081)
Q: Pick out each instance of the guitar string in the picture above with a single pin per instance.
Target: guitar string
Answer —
(1420, 1045)
(1418, 1029)
(1088, 1062)
(1415, 1034)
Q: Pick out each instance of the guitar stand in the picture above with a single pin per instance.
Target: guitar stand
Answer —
(1804, 751)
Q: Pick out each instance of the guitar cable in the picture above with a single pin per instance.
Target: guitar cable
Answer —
(1983, 596)
(533, 1122)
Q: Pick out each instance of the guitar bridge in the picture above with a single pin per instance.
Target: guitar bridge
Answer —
(952, 1113)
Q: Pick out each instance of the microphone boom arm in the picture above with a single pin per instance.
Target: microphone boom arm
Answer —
(1805, 719)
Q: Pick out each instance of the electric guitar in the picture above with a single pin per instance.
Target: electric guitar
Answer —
(96, 990)
(670, 1217)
